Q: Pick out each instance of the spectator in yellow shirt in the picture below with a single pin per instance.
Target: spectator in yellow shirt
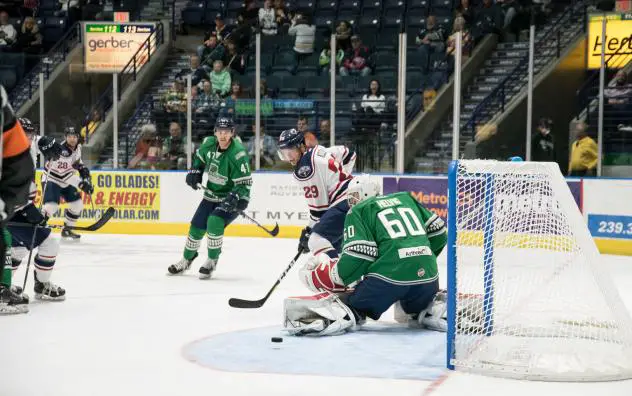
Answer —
(93, 124)
(583, 161)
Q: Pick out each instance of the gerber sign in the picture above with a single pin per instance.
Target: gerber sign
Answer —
(618, 40)
(109, 46)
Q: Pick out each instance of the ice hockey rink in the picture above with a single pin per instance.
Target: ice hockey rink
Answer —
(127, 328)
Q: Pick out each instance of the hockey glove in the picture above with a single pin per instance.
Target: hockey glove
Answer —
(31, 215)
(86, 186)
(230, 203)
(194, 177)
(302, 242)
(84, 172)
(49, 148)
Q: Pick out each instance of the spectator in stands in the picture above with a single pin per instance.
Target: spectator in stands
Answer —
(429, 96)
(210, 51)
(305, 34)
(325, 131)
(302, 126)
(281, 14)
(489, 18)
(356, 60)
(242, 33)
(441, 67)
(617, 96)
(250, 12)
(583, 158)
(220, 78)
(8, 34)
(266, 93)
(208, 101)
(154, 155)
(343, 35)
(91, 126)
(197, 72)
(542, 145)
(466, 40)
(430, 39)
(509, 9)
(29, 38)
(148, 134)
(324, 61)
(267, 147)
(234, 60)
(175, 100)
(373, 101)
(465, 10)
(236, 93)
(221, 30)
(267, 19)
(174, 148)
(373, 104)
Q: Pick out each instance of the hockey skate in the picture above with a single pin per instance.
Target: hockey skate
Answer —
(67, 234)
(48, 291)
(17, 290)
(11, 303)
(206, 270)
(181, 266)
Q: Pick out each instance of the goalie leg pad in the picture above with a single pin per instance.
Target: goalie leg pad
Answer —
(319, 244)
(319, 315)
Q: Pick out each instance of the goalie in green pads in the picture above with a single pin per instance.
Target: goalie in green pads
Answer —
(226, 163)
(389, 256)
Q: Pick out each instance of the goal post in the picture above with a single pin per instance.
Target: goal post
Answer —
(527, 296)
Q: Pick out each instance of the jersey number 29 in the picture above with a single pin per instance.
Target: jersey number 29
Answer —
(403, 222)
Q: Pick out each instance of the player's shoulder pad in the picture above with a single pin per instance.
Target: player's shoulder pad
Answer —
(209, 141)
(238, 151)
(305, 167)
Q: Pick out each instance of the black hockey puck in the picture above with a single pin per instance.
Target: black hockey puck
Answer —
(276, 339)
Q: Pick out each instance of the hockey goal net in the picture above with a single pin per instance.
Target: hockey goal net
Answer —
(528, 296)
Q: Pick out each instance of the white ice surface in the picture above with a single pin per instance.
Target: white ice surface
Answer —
(124, 325)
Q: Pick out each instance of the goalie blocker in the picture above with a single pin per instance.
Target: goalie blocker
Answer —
(389, 256)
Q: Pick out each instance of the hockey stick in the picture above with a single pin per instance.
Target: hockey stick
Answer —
(273, 232)
(107, 215)
(239, 303)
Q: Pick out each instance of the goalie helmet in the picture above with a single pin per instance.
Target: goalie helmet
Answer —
(360, 188)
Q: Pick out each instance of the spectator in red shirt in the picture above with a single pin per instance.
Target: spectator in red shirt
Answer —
(356, 60)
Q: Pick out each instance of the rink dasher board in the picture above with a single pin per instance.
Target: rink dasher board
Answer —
(277, 198)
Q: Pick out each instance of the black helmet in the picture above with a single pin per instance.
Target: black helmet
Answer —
(27, 125)
(70, 131)
(291, 138)
(224, 123)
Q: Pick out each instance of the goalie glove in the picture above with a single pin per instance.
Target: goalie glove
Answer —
(194, 177)
(319, 274)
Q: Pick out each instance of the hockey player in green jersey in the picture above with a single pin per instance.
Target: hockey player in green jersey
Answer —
(225, 161)
(389, 256)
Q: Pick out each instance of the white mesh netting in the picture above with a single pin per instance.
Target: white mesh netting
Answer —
(532, 300)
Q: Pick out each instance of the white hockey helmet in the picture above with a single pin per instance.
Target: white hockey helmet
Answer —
(361, 187)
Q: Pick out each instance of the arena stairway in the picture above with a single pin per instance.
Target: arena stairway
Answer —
(504, 75)
(130, 131)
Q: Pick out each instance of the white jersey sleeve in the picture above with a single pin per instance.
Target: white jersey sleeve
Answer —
(344, 156)
(323, 181)
(63, 171)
